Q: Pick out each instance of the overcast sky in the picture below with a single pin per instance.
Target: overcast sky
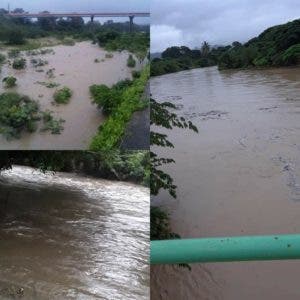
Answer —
(190, 22)
(81, 5)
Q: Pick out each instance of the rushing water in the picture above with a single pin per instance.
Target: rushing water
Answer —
(66, 236)
(240, 175)
(75, 68)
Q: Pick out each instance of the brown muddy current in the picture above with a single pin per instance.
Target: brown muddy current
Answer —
(67, 236)
(74, 67)
(239, 176)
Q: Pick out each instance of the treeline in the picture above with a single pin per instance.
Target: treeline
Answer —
(15, 31)
(118, 165)
(176, 59)
(277, 46)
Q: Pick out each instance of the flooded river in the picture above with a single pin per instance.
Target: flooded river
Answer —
(74, 67)
(66, 236)
(239, 176)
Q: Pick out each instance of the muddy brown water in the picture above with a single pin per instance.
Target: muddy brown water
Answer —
(67, 236)
(239, 176)
(75, 68)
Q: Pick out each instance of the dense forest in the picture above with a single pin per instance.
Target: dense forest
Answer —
(276, 46)
(176, 59)
(116, 165)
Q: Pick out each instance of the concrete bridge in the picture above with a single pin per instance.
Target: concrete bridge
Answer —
(91, 15)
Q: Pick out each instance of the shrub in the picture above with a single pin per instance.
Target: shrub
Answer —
(131, 61)
(14, 53)
(2, 58)
(68, 42)
(17, 113)
(109, 55)
(19, 63)
(96, 60)
(135, 74)
(15, 37)
(51, 124)
(63, 95)
(9, 81)
(38, 62)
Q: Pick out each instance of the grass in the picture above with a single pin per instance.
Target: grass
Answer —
(63, 95)
(49, 85)
(110, 133)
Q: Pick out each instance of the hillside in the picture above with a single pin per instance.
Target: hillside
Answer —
(276, 46)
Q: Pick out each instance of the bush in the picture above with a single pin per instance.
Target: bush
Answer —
(2, 58)
(109, 55)
(131, 61)
(17, 113)
(9, 81)
(128, 101)
(135, 74)
(63, 95)
(38, 62)
(51, 124)
(19, 63)
(14, 53)
(15, 37)
(68, 42)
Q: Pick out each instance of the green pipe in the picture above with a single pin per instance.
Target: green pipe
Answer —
(240, 248)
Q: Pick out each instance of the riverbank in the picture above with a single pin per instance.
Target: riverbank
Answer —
(77, 67)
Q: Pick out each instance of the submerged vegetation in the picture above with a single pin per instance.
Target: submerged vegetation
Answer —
(119, 103)
(63, 95)
(131, 61)
(19, 63)
(18, 113)
(9, 81)
(51, 124)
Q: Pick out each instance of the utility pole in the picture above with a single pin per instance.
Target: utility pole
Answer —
(8, 8)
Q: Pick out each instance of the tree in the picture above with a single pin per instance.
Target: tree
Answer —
(205, 49)
(47, 23)
(15, 36)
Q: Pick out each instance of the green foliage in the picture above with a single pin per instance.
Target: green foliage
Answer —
(15, 36)
(51, 124)
(2, 58)
(135, 74)
(17, 113)
(131, 61)
(160, 225)
(9, 81)
(137, 43)
(49, 85)
(109, 55)
(14, 53)
(118, 165)
(63, 95)
(68, 42)
(276, 46)
(128, 100)
(38, 62)
(175, 59)
(19, 63)
(106, 36)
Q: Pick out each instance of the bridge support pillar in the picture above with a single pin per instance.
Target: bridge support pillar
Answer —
(131, 23)
(92, 19)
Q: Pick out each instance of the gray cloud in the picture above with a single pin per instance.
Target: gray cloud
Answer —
(190, 22)
(81, 5)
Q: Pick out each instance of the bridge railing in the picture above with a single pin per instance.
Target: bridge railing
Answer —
(225, 249)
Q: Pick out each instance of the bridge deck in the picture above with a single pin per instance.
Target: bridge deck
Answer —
(84, 14)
